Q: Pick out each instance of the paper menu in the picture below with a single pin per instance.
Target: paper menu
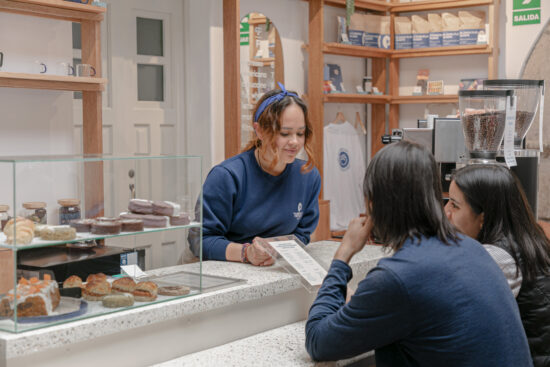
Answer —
(301, 261)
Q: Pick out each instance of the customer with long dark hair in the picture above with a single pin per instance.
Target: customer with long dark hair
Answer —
(486, 202)
(439, 300)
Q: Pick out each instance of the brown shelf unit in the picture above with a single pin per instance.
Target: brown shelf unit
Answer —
(90, 18)
(383, 72)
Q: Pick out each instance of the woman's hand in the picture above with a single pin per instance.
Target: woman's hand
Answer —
(258, 253)
(357, 234)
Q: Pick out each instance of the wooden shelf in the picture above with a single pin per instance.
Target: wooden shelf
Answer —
(442, 51)
(377, 5)
(334, 48)
(449, 98)
(54, 9)
(265, 60)
(355, 98)
(436, 5)
(52, 82)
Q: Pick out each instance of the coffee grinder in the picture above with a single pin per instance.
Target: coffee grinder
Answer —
(529, 95)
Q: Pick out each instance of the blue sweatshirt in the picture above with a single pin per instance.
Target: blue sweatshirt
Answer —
(428, 305)
(241, 201)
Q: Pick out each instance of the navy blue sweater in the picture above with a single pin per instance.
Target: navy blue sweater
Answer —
(241, 201)
(429, 304)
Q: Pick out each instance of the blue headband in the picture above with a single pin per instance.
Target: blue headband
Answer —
(274, 98)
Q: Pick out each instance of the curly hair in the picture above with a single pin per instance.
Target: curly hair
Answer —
(269, 123)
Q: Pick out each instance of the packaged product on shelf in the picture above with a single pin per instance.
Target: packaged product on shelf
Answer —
(356, 29)
(342, 30)
(372, 30)
(451, 26)
(436, 34)
(421, 31)
(334, 74)
(471, 24)
(435, 87)
(69, 210)
(403, 33)
(384, 39)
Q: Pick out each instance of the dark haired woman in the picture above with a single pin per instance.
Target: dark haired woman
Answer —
(440, 300)
(265, 191)
(487, 203)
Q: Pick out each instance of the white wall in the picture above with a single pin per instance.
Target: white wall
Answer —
(520, 39)
(35, 122)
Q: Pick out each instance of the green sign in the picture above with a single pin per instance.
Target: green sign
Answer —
(526, 4)
(526, 17)
(245, 33)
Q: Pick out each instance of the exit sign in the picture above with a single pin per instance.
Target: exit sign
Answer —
(526, 12)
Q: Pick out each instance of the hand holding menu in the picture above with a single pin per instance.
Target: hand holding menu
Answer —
(301, 261)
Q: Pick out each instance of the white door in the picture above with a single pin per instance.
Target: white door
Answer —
(142, 50)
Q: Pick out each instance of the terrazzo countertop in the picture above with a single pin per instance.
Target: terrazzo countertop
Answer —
(283, 346)
(260, 282)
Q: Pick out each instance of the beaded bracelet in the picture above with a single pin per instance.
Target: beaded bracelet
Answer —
(244, 258)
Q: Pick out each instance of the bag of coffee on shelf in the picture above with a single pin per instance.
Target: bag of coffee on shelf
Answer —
(342, 30)
(436, 34)
(471, 23)
(384, 39)
(372, 30)
(420, 31)
(451, 26)
(403, 33)
(356, 29)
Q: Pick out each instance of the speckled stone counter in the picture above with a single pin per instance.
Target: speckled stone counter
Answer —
(271, 297)
(283, 346)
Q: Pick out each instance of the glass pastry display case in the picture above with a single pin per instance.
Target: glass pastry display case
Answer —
(85, 236)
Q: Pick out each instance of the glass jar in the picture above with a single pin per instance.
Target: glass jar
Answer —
(70, 210)
(35, 211)
(4, 217)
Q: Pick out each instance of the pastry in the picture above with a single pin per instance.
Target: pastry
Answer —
(149, 221)
(174, 290)
(180, 220)
(145, 292)
(141, 206)
(131, 225)
(20, 231)
(96, 277)
(106, 227)
(82, 225)
(58, 233)
(123, 285)
(73, 281)
(166, 208)
(34, 298)
(96, 290)
(118, 300)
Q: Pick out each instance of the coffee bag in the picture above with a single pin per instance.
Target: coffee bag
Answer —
(471, 23)
(372, 30)
(403, 33)
(451, 26)
(384, 39)
(436, 34)
(356, 29)
(420, 31)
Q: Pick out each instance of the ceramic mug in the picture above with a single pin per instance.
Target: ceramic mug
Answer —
(85, 70)
(65, 68)
(40, 67)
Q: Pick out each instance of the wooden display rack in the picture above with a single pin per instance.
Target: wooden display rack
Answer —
(90, 18)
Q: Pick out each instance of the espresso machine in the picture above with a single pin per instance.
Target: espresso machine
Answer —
(529, 95)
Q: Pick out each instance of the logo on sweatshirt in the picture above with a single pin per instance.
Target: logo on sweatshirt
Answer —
(343, 159)
(299, 213)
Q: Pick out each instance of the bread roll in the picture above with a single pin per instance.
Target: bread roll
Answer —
(73, 281)
(118, 300)
(96, 290)
(145, 292)
(123, 285)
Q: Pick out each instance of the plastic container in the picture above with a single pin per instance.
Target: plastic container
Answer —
(483, 116)
(35, 211)
(528, 93)
(69, 210)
